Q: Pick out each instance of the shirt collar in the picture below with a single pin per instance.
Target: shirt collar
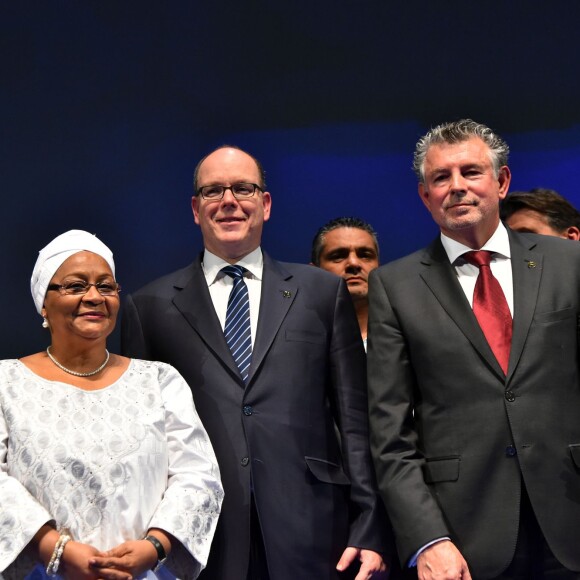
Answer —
(499, 243)
(212, 265)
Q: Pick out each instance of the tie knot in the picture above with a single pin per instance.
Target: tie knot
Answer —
(478, 258)
(236, 272)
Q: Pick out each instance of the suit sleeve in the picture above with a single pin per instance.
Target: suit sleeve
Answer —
(370, 528)
(414, 512)
(133, 344)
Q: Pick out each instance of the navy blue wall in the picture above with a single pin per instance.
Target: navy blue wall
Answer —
(107, 106)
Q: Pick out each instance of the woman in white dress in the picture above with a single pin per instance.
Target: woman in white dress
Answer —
(105, 468)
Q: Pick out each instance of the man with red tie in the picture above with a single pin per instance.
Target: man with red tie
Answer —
(474, 391)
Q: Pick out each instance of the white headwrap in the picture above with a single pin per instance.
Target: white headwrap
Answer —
(52, 256)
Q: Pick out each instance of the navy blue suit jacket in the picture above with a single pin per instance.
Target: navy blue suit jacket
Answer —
(314, 494)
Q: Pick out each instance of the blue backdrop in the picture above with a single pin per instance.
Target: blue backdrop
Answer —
(108, 105)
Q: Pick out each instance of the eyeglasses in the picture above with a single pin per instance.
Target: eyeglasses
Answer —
(239, 191)
(81, 287)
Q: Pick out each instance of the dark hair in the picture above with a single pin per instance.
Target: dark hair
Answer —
(261, 171)
(559, 212)
(341, 222)
(457, 132)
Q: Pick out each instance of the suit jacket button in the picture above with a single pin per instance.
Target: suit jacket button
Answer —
(510, 451)
(247, 410)
(244, 461)
(510, 396)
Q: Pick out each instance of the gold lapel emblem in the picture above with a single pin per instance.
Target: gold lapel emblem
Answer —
(286, 293)
(531, 264)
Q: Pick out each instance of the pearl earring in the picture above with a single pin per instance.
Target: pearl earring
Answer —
(45, 323)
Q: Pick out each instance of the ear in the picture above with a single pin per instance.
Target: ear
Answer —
(572, 233)
(195, 208)
(267, 204)
(504, 179)
(424, 195)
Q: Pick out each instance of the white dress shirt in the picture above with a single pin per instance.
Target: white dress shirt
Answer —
(220, 285)
(501, 265)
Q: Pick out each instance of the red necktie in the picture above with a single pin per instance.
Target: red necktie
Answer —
(491, 308)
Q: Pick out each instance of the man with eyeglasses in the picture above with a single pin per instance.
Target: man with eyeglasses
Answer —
(299, 502)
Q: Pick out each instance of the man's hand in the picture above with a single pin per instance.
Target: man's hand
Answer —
(130, 558)
(371, 563)
(442, 561)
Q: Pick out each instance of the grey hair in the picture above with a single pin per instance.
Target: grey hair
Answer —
(457, 132)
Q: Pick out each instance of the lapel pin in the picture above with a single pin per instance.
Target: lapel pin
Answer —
(286, 293)
(531, 264)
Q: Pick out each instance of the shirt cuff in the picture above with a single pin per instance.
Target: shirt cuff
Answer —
(413, 560)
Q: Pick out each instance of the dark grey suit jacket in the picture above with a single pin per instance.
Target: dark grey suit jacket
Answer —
(314, 494)
(456, 467)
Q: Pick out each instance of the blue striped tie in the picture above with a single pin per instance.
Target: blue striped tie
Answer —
(237, 330)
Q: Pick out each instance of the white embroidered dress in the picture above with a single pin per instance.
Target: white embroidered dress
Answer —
(105, 465)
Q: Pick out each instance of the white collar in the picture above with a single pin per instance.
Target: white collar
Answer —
(499, 243)
(212, 265)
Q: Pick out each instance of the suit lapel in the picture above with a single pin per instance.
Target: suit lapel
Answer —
(527, 273)
(441, 278)
(278, 294)
(194, 302)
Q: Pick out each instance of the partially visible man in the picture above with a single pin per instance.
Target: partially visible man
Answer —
(348, 247)
(541, 211)
(475, 421)
(300, 502)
